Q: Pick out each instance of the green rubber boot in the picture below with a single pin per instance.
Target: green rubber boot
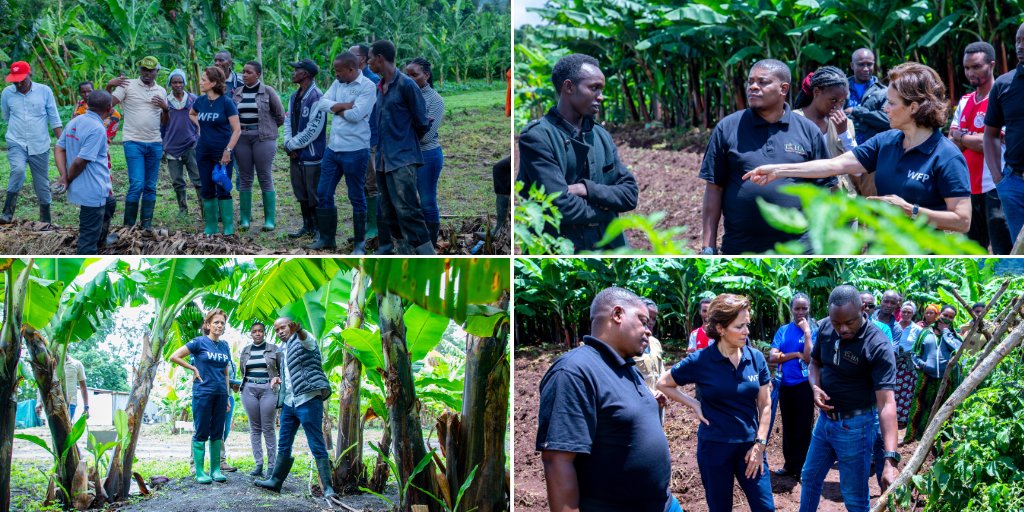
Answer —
(371, 217)
(269, 210)
(199, 457)
(215, 448)
(227, 214)
(209, 216)
(244, 209)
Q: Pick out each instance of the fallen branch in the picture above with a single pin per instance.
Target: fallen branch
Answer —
(962, 392)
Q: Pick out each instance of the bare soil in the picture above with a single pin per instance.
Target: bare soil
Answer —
(530, 494)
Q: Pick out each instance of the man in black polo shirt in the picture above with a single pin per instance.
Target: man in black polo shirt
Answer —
(853, 378)
(602, 443)
(1006, 109)
(765, 133)
(567, 152)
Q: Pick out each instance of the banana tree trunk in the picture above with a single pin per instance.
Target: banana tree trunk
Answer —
(349, 473)
(10, 353)
(119, 474)
(484, 417)
(44, 366)
(403, 406)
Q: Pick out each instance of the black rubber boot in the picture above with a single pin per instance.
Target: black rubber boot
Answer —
(426, 248)
(44, 213)
(9, 204)
(276, 480)
(327, 222)
(502, 202)
(323, 467)
(146, 215)
(303, 230)
(182, 201)
(258, 472)
(131, 212)
(359, 229)
(199, 203)
(432, 229)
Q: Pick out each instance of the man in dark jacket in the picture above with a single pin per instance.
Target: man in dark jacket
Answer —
(567, 152)
(306, 389)
(865, 106)
(305, 139)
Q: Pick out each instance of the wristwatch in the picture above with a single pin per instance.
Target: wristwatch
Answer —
(895, 456)
(708, 251)
(913, 213)
(761, 441)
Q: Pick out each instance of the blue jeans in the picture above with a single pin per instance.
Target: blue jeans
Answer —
(208, 416)
(143, 159)
(39, 164)
(230, 415)
(1011, 194)
(71, 412)
(674, 506)
(850, 442)
(426, 183)
(311, 416)
(719, 463)
(351, 165)
(206, 160)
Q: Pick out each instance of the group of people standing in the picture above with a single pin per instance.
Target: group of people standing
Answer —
(870, 371)
(283, 382)
(383, 141)
(855, 134)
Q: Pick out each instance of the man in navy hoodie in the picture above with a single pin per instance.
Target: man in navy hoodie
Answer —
(305, 139)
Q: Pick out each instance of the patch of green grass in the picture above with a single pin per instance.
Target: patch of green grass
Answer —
(474, 136)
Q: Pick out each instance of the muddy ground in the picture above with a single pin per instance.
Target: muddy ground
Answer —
(681, 428)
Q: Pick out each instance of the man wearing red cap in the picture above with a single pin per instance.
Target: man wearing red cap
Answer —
(28, 109)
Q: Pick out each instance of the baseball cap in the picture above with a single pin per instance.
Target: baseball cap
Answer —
(19, 70)
(306, 64)
(149, 62)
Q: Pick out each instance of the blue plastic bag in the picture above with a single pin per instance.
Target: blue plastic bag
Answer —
(221, 177)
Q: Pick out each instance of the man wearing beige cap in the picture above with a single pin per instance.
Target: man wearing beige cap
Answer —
(143, 103)
(28, 109)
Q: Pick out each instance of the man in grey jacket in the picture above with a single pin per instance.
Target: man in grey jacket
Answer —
(306, 389)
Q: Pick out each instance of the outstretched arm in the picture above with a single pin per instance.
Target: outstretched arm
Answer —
(845, 163)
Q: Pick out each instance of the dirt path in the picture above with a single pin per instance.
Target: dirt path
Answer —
(681, 428)
(238, 493)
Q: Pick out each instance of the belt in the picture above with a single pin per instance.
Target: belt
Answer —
(1018, 172)
(250, 128)
(836, 415)
(257, 381)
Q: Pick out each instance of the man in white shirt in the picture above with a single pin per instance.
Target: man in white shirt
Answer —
(349, 103)
(74, 375)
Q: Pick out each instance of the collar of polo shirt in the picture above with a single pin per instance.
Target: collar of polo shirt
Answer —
(718, 356)
(606, 351)
(928, 146)
(785, 119)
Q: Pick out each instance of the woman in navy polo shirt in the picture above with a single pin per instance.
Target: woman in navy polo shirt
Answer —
(916, 168)
(217, 118)
(210, 356)
(791, 351)
(732, 405)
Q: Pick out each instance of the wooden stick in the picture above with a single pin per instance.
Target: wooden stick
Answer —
(944, 385)
(934, 426)
(1004, 326)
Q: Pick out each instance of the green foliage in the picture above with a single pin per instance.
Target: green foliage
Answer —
(663, 242)
(103, 369)
(535, 218)
(982, 450)
(883, 228)
(684, 63)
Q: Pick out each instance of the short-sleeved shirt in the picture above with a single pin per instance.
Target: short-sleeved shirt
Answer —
(699, 339)
(926, 175)
(141, 116)
(1006, 109)
(851, 371)
(895, 332)
(214, 124)
(790, 338)
(727, 393)
(741, 142)
(210, 358)
(85, 137)
(594, 403)
(74, 373)
(969, 116)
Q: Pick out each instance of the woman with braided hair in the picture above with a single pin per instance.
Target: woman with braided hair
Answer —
(915, 167)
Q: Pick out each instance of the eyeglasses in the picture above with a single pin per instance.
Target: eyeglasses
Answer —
(869, 306)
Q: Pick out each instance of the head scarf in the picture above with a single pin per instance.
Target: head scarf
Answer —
(174, 103)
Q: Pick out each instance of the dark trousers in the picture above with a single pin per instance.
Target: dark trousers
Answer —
(400, 205)
(311, 416)
(208, 412)
(350, 165)
(305, 177)
(501, 174)
(719, 464)
(796, 404)
(93, 226)
(206, 160)
(988, 223)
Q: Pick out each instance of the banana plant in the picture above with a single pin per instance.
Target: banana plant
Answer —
(16, 284)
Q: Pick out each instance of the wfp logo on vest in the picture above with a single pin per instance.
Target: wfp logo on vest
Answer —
(216, 357)
(208, 116)
(919, 176)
